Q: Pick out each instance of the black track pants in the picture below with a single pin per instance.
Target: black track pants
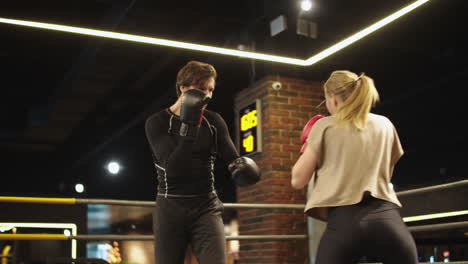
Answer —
(179, 222)
(372, 228)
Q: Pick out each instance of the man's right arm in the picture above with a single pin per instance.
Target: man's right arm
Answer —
(167, 150)
(154, 132)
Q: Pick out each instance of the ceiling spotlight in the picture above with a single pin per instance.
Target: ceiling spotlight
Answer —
(242, 47)
(306, 5)
(79, 188)
(113, 167)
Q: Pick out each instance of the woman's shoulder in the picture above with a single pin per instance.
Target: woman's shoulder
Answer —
(326, 121)
(380, 120)
(378, 117)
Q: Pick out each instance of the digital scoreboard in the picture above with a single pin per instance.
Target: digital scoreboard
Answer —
(250, 128)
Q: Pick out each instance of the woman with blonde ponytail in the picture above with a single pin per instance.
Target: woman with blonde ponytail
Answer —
(348, 163)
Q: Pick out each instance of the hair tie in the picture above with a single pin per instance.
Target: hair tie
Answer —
(360, 76)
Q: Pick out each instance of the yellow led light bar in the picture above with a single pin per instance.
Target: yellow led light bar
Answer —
(41, 200)
(33, 237)
(223, 51)
(433, 216)
(73, 227)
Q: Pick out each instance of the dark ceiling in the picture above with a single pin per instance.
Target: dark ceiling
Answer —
(71, 102)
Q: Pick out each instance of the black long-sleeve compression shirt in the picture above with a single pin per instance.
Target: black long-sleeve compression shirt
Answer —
(183, 164)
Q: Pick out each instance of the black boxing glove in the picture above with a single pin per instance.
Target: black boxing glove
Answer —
(244, 171)
(191, 112)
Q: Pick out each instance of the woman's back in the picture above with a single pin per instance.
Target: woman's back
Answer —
(347, 164)
(353, 161)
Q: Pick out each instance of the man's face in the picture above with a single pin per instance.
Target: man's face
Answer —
(207, 87)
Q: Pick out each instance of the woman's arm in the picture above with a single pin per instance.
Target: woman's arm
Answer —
(304, 168)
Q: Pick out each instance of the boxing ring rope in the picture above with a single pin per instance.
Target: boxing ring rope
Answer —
(434, 227)
(44, 200)
(73, 201)
(76, 201)
(135, 237)
(433, 188)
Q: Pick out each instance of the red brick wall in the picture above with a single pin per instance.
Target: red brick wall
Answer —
(284, 113)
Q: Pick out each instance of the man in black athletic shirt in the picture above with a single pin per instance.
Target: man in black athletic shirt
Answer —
(185, 140)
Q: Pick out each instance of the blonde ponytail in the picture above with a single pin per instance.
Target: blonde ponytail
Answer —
(358, 95)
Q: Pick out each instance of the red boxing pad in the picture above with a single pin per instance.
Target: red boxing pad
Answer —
(306, 131)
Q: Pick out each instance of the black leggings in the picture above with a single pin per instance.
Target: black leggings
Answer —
(372, 228)
(179, 222)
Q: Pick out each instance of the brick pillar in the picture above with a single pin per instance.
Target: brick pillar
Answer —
(284, 112)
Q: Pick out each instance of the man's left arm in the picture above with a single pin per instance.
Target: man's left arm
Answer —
(244, 170)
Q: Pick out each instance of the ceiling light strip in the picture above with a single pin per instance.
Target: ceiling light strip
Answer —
(154, 41)
(361, 34)
(231, 52)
